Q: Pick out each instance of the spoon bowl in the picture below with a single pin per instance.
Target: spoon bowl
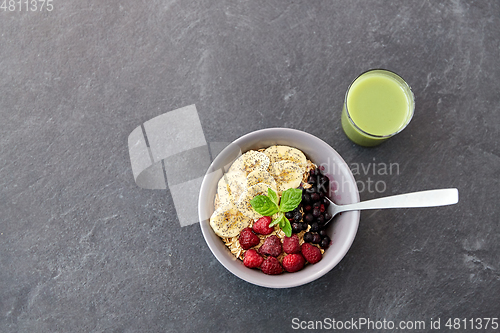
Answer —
(342, 233)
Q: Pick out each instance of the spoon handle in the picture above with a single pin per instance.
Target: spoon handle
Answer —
(429, 198)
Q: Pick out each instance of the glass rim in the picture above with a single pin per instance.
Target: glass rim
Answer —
(411, 113)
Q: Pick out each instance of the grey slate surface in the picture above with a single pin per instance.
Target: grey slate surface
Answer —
(83, 249)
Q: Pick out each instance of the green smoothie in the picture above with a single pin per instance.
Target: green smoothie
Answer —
(378, 105)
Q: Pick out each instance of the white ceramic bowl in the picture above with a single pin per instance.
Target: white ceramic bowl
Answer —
(342, 229)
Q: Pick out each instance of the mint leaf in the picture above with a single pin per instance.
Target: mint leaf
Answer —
(282, 221)
(268, 206)
(276, 221)
(287, 228)
(290, 199)
(271, 194)
(263, 205)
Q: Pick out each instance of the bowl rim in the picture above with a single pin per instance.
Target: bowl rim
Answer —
(261, 280)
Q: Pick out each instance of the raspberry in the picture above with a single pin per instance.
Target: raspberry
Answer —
(248, 239)
(291, 244)
(252, 259)
(293, 262)
(271, 246)
(271, 266)
(262, 226)
(311, 253)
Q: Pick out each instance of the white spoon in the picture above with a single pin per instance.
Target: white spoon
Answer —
(431, 198)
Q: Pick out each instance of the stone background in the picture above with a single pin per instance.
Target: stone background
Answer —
(83, 249)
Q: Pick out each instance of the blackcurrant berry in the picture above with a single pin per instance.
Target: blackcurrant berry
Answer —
(316, 239)
(296, 227)
(315, 197)
(308, 237)
(325, 243)
(316, 212)
(297, 217)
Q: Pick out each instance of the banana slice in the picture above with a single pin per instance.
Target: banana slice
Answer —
(243, 204)
(287, 174)
(281, 153)
(227, 221)
(261, 176)
(250, 161)
(223, 192)
(237, 174)
(237, 183)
